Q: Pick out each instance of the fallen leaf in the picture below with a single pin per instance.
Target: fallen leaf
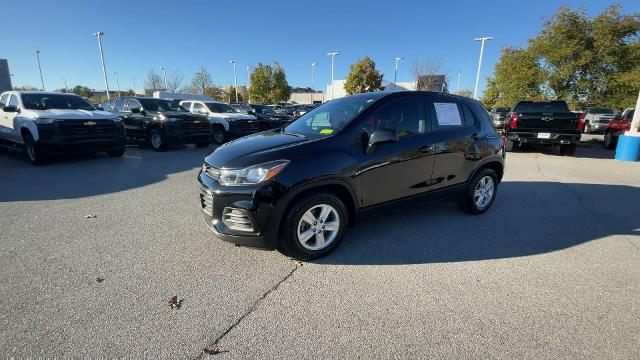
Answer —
(174, 303)
(90, 216)
(99, 279)
(211, 350)
(297, 263)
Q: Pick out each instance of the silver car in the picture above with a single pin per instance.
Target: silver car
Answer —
(596, 120)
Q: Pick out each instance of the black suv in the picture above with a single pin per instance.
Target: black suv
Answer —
(269, 118)
(160, 122)
(297, 188)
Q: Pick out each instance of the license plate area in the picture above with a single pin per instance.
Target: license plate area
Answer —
(544, 136)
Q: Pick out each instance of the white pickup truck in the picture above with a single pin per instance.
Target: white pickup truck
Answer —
(47, 123)
(227, 123)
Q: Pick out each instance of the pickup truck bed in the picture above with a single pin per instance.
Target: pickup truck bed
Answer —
(543, 122)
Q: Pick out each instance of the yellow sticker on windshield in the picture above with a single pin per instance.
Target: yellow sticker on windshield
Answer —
(326, 131)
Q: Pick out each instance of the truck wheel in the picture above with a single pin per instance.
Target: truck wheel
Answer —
(568, 149)
(35, 154)
(157, 140)
(314, 226)
(219, 135)
(609, 140)
(116, 153)
(508, 146)
(480, 193)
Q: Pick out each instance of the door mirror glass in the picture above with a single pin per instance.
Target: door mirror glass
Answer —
(381, 136)
(10, 108)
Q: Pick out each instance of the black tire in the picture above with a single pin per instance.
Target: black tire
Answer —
(157, 140)
(34, 153)
(467, 200)
(508, 146)
(219, 136)
(568, 149)
(291, 246)
(610, 141)
(116, 153)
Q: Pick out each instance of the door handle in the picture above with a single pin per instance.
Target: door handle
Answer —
(427, 148)
(475, 137)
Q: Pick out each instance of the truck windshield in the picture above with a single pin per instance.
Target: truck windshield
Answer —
(541, 107)
(220, 108)
(601, 111)
(329, 118)
(55, 101)
(160, 105)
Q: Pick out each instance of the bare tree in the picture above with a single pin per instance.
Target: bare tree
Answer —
(174, 81)
(154, 81)
(201, 81)
(426, 73)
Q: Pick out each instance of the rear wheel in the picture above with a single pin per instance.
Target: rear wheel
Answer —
(314, 226)
(35, 154)
(609, 140)
(157, 140)
(568, 149)
(480, 193)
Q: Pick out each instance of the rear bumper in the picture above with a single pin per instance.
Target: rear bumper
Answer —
(526, 137)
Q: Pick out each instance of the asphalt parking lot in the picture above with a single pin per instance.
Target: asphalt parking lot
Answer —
(552, 270)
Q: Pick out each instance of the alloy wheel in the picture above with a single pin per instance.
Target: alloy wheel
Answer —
(484, 191)
(156, 140)
(318, 227)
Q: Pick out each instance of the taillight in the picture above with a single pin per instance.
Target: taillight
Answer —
(580, 122)
(514, 121)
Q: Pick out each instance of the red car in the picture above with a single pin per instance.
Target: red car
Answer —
(617, 127)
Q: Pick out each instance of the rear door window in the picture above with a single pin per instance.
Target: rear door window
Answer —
(448, 115)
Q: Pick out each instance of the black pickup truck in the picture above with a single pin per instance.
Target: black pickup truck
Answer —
(543, 122)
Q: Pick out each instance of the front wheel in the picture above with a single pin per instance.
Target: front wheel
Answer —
(314, 226)
(157, 140)
(609, 140)
(35, 154)
(219, 135)
(480, 193)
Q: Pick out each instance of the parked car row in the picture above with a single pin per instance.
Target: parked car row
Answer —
(617, 126)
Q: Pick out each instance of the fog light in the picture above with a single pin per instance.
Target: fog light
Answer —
(237, 219)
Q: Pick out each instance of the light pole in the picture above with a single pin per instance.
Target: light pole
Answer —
(66, 89)
(164, 75)
(235, 78)
(134, 85)
(458, 86)
(99, 34)
(115, 73)
(40, 68)
(482, 39)
(248, 84)
(395, 77)
(313, 67)
(333, 59)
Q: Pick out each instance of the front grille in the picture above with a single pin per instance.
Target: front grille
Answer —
(211, 172)
(236, 219)
(194, 125)
(206, 202)
(248, 125)
(85, 127)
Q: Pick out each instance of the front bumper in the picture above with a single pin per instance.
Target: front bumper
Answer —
(597, 128)
(57, 139)
(178, 133)
(256, 202)
(239, 128)
(533, 137)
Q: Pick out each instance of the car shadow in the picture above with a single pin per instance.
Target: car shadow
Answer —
(77, 176)
(528, 218)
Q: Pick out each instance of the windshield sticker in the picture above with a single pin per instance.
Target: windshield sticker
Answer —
(326, 131)
(448, 114)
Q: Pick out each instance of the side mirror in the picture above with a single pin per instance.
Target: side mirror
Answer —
(135, 110)
(379, 137)
(10, 108)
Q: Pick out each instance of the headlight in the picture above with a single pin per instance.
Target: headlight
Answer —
(253, 174)
(42, 121)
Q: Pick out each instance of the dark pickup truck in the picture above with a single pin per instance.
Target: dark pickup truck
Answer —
(543, 122)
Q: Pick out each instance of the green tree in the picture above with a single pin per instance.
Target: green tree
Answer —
(363, 77)
(82, 91)
(201, 81)
(465, 92)
(231, 95)
(280, 89)
(269, 84)
(517, 76)
(217, 93)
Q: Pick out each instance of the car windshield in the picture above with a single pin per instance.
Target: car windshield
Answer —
(160, 105)
(601, 111)
(264, 109)
(331, 117)
(220, 108)
(55, 101)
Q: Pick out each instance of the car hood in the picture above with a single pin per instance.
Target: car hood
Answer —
(69, 114)
(253, 149)
(232, 116)
(177, 114)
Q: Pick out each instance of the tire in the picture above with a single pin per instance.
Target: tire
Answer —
(219, 136)
(610, 141)
(115, 153)
(508, 146)
(157, 140)
(311, 208)
(476, 203)
(568, 149)
(34, 153)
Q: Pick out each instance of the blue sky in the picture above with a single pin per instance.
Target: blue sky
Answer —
(183, 35)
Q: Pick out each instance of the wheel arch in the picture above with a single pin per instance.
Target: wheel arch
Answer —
(494, 164)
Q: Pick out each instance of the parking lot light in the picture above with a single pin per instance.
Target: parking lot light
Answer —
(99, 35)
(482, 39)
(40, 68)
(313, 67)
(134, 84)
(66, 90)
(164, 75)
(395, 77)
(333, 59)
(115, 73)
(235, 78)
